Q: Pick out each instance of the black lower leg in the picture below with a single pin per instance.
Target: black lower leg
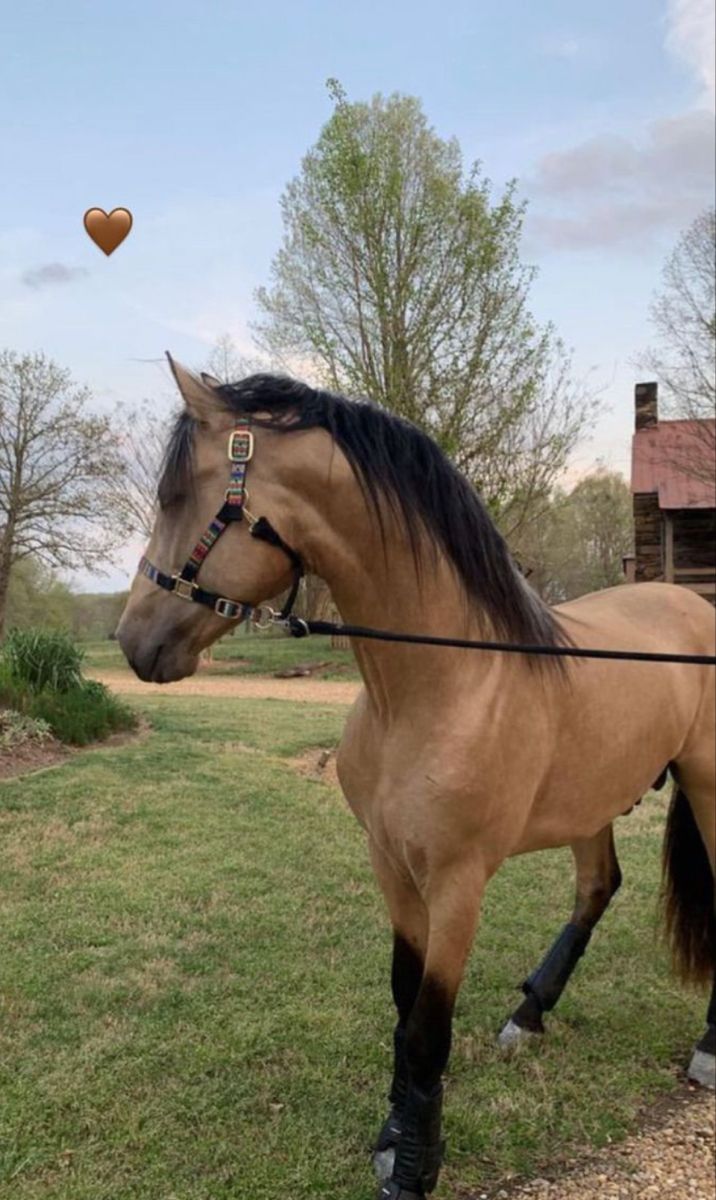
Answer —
(545, 985)
(597, 880)
(419, 1152)
(392, 1127)
(708, 1042)
(406, 977)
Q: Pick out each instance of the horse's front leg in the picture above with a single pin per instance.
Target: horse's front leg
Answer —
(452, 899)
(409, 918)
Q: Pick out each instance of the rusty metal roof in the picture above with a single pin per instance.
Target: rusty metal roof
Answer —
(677, 459)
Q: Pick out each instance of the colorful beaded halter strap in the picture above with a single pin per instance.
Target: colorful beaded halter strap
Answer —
(184, 583)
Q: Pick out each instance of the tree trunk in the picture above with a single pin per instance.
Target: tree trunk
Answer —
(4, 585)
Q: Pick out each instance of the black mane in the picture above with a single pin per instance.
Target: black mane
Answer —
(398, 465)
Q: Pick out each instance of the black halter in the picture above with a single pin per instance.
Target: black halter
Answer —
(184, 584)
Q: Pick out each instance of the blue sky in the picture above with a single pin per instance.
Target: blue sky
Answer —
(195, 116)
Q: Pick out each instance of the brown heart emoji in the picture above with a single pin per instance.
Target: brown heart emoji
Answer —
(108, 231)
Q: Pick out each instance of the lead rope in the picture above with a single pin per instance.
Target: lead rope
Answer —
(299, 628)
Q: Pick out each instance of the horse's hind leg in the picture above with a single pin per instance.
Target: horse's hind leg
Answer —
(598, 878)
(702, 1068)
(689, 861)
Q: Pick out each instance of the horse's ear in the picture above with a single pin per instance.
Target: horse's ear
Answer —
(210, 380)
(199, 398)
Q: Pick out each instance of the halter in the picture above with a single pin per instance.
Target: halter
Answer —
(184, 583)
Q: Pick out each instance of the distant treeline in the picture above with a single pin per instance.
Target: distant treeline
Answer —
(38, 598)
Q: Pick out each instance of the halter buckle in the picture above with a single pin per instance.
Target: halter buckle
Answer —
(184, 588)
(242, 452)
(223, 606)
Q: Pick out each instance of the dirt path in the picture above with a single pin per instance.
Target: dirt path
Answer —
(671, 1158)
(256, 687)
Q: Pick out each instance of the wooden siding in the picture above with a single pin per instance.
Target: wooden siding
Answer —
(678, 546)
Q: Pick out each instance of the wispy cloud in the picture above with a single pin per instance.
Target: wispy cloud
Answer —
(52, 273)
(691, 26)
(616, 191)
(560, 45)
(674, 146)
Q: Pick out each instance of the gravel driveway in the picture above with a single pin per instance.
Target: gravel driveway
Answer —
(261, 687)
(671, 1158)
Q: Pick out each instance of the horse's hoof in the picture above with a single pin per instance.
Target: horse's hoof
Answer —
(514, 1035)
(702, 1069)
(391, 1190)
(383, 1163)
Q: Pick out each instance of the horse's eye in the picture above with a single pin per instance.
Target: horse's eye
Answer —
(173, 500)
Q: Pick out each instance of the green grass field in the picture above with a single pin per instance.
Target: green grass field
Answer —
(194, 990)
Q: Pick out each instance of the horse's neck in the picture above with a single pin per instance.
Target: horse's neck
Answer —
(381, 589)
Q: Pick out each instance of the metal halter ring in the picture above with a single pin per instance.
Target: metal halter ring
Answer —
(264, 616)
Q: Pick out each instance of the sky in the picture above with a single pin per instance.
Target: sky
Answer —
(196, 116)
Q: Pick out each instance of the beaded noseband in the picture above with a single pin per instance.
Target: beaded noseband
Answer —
(184, 583)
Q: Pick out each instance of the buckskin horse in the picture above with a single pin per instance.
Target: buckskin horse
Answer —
(451, 760)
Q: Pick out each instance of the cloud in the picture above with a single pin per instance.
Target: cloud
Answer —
(612, 190)
(560, 45)
(51, 273)
(690, 37)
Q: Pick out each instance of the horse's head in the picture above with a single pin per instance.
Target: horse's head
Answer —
(160, 633)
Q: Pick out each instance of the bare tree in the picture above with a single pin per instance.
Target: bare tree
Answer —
(399, 278)
(142, 437)
(226, 362)
(143, 434)
(683, 315)
(56, 464)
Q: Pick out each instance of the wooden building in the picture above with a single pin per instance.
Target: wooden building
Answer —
(673, 484)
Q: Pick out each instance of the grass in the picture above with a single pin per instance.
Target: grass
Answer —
(247, 654)
(194, 968)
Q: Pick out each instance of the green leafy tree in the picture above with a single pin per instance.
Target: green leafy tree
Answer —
(56, 460)
(37, 597)
(579, 544)
(96, 614)
(399, 278)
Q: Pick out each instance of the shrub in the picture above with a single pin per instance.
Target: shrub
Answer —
(17, 729)
(43, 658)
(83, 714)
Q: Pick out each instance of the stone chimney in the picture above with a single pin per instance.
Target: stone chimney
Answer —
(646, 405)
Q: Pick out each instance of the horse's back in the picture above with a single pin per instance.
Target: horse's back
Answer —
(657, 616)
(617, 724)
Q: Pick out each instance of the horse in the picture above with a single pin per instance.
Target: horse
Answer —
(451, 760)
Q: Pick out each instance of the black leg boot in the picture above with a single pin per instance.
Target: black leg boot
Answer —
(392, 1128)
(420, 1151)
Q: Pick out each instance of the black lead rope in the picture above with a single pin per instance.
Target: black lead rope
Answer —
(300, 628)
